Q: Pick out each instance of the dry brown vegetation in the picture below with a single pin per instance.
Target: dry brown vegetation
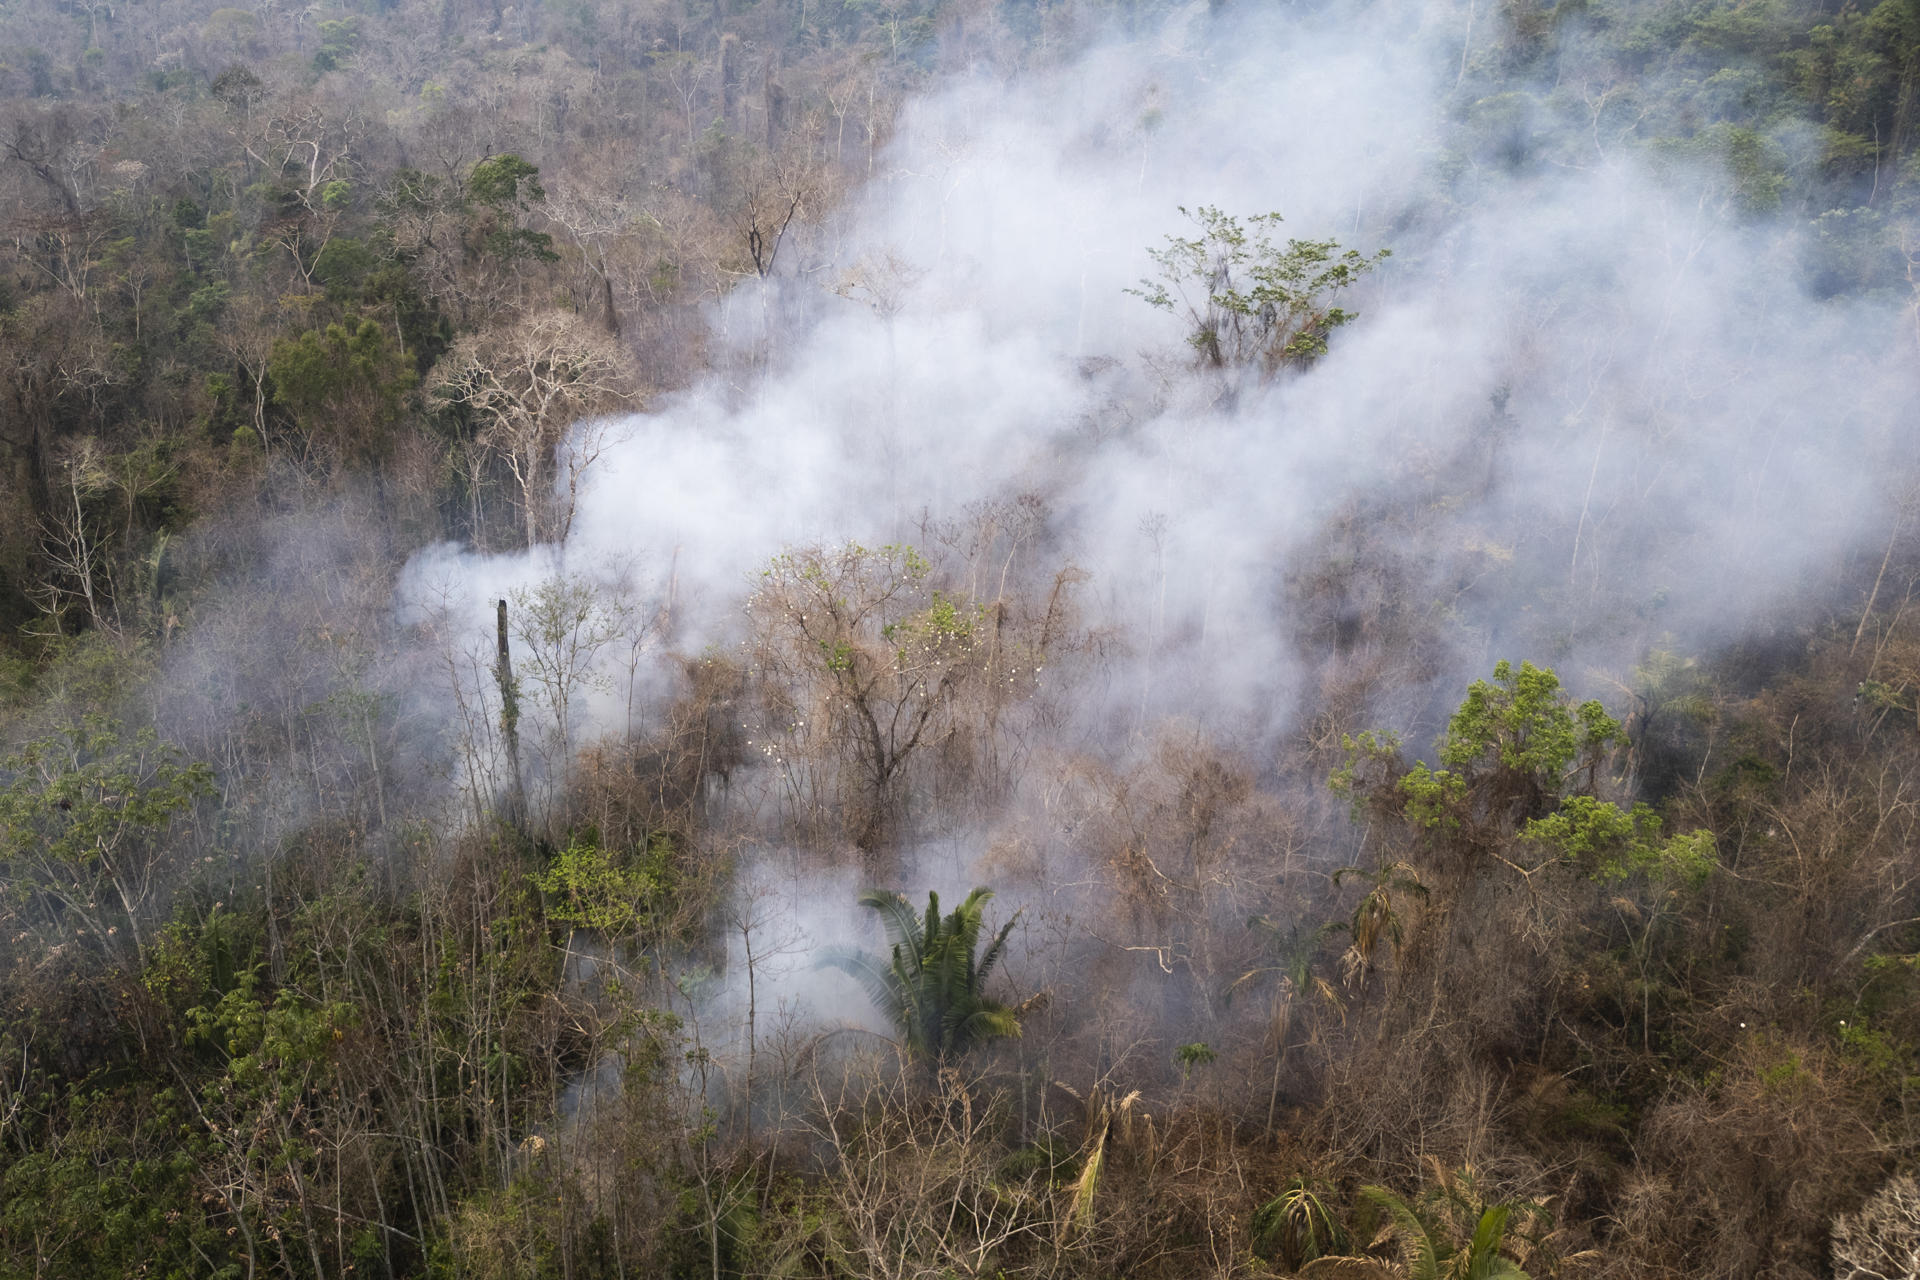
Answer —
(327, 951)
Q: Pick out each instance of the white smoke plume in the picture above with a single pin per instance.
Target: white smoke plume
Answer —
(1589, 403)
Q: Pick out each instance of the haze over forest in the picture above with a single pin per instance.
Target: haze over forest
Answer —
(960, 638)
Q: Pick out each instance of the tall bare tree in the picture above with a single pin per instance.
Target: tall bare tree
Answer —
(526, 384)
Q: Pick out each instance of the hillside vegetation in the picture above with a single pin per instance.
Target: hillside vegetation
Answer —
(334, 941)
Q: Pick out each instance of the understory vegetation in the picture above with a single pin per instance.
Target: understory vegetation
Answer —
(332, 944)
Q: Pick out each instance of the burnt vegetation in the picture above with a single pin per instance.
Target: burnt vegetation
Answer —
(1476, 959)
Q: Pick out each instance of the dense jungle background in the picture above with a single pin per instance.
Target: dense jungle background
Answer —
(546, 548)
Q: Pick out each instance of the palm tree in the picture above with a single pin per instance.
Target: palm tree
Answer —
(1453, 1234)
(1293, 951)
(1380, 915)
(932, 985)
(1298, 1226)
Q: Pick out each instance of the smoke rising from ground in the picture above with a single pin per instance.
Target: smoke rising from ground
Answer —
(1589, 408)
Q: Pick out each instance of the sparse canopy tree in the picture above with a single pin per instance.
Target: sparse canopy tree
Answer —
(562, 624)
(1882, 1240)
(932, 984)
(525, 384)
(1248, 302)
(84, 814)
(858, 644)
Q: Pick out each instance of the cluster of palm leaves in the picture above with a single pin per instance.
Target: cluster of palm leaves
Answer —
(932, 983)
(1451, 1235)
(1450, 1232)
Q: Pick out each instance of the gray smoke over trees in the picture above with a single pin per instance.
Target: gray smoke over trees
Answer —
(1588, 408)
(990, 521)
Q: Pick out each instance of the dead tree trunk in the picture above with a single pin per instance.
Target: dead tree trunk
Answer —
(510, 723)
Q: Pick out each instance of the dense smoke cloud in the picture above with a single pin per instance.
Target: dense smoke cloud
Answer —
(1589, 408)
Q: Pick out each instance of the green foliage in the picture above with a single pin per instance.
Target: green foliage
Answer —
(392, 1068)
(1450, 1234)
(503, 186)
(1521, 722)
(1514, 748)
(1514, 744)
(857, 632)
(1296, 1226)
(505, 180)
(1369, 754)
(1434, 797)
(945, 621)
(1189, 1056)
(88, 809)
(277, 1048)
(587, 887)
(1249, 302)
(111, 1191)
(1755, 169)
(343, 265)
(338, 38)
(932, 984)
(1611, 843)
(1873, 1050)
(346, 383)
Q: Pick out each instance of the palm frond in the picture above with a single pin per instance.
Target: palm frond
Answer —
(996, 948)
(932, 986)
(1484, 1258)
(1417, 1248)
(902, 924)
(1080, 1204)
(880, 980)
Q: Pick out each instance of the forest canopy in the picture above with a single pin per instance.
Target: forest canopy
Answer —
(531, 536)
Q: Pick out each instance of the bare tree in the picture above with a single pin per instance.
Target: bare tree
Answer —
(76, 562)
(528, 382)
(863, 659)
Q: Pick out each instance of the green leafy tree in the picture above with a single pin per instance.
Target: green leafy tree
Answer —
(501, 188)
(1511, 750)
(346, 385)
(586, 887)
(338, 39)
(1248, 301)
(1519, 758)
(279, 1077)
(932, 983)
(1612, 843)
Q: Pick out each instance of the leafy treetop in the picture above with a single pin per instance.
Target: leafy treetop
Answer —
(1251, 303)
(1519, 758)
